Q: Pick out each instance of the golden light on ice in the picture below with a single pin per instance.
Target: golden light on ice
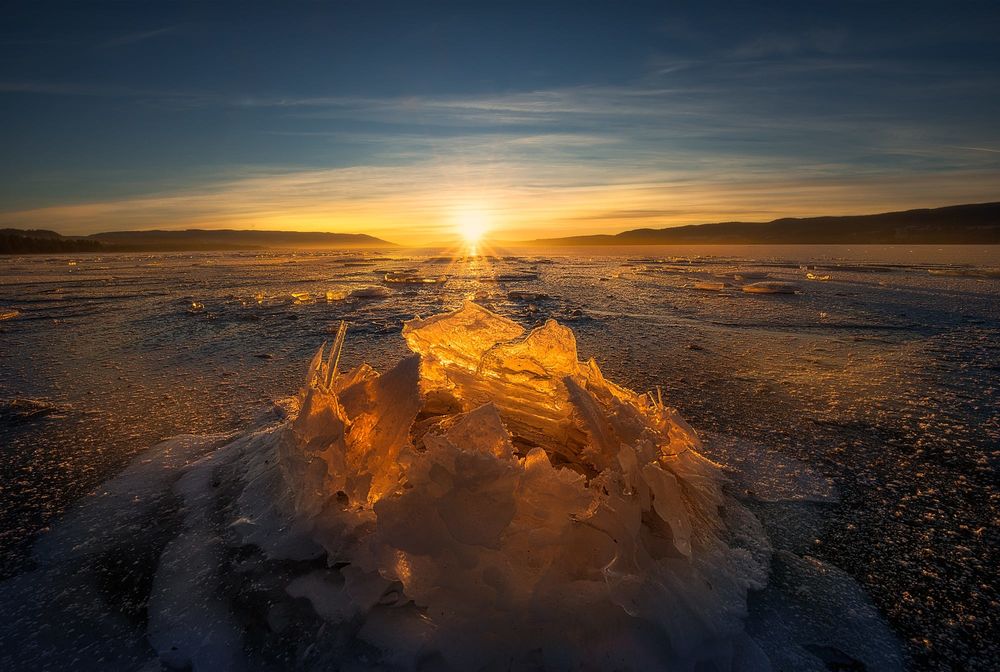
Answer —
(495, 488)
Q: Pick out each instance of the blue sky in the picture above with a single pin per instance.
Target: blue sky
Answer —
(551, 118)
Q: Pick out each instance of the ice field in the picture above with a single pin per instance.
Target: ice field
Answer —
(839, 409)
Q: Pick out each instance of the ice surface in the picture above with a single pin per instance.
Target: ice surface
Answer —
(966, 272)
(768, 476)
(16, 411)
(815, 618)
(75, 609)
(882, 380)
(413, 278)
(523, 295)
(190, 625)
(369, 292)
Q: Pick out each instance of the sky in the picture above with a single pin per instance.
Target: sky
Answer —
(402, 120)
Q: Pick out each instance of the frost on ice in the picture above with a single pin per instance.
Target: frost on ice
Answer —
(493, 501)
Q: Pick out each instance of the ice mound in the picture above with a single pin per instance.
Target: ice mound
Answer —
(771, 287)
(492, 502)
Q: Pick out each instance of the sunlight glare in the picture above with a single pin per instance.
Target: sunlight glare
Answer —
(472, 225)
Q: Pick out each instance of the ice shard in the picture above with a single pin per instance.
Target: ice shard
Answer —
(512, 504)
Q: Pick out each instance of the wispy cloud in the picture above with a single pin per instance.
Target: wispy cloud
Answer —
(980, 149)
(658, 152)
(522, 200)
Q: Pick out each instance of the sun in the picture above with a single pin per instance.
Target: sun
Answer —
(472, 225)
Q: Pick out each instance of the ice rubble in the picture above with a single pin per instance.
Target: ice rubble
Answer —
(493, 501)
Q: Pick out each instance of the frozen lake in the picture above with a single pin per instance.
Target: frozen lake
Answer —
(878, 371)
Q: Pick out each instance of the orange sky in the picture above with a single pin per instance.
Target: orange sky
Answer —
(427, 203)
(543, 119)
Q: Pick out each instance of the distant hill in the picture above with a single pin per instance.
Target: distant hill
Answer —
(17, 241)
(40, 241)
(957, 224)
(231, 239)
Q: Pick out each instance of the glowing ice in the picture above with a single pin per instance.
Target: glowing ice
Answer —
(492, 499)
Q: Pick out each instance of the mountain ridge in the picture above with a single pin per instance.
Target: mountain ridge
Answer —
(28, 241)
(973, 223)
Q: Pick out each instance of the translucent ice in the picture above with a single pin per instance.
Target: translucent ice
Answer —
(517, 504)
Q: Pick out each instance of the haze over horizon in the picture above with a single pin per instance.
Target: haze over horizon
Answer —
(405, 122)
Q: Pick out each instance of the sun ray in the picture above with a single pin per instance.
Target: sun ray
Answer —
(472, 223)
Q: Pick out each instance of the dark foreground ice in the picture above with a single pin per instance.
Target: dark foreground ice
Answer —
(857, 417)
